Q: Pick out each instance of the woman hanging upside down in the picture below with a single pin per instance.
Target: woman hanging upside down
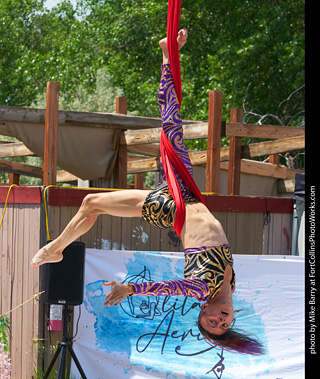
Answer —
(208, 273)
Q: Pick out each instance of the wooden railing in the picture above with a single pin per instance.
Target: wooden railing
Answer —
(284, 139)
(139, 150)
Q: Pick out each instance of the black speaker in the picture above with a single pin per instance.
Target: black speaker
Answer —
(64, 280)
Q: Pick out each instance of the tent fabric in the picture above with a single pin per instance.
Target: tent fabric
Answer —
(85, 152)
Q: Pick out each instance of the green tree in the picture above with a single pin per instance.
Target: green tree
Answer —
(37, 46)
(249, 49)
(231, 44)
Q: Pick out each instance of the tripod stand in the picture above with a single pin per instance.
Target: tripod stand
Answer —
(63, 347)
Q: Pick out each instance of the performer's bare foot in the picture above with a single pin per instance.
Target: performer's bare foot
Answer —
(181, 39)
(45, 256)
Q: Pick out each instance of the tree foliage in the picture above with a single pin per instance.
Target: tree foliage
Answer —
(232, 44)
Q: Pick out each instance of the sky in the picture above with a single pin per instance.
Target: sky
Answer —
(51, 3)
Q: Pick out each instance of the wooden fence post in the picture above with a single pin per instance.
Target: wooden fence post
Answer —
(214, 140)
(138, 180)
(274, 158)
(236, 115)
(14, 178)
(49, 165)
(120, 169)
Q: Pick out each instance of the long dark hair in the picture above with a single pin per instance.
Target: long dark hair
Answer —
(233, 340)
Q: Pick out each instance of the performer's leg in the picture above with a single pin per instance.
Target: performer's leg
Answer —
(169, 105)
(126, 203)
(182, 39)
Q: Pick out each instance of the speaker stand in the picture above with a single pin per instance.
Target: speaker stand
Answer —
(63, 347)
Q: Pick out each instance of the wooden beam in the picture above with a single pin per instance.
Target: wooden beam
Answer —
(120, 169)
(259, 168)
(247, 152)
(286, 186)
(148, 136)
(86, 119)
(65, 177)
(247, 166)
(214, 140)
(143, 165)
(273, 147)
(198, 158)
(262, 131)
(200, 130)
(20, 168)
(140, 137)
(111, 120)
(236, 115)
(16, 149)
(49, 165)
(152, 150)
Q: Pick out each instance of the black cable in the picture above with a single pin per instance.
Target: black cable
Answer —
(77, 325)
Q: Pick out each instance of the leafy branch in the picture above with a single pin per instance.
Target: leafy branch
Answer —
(4, 331)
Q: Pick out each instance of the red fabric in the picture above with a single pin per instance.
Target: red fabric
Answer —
(172, 184)
(173, 19)
(169, 156)
(171, 159)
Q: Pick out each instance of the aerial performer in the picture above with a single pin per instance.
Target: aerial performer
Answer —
(176, 202)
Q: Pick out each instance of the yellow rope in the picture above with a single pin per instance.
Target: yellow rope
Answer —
(6, 203)
(22, 304)
(55, 186)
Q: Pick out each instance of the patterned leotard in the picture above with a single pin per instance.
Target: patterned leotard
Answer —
(159, 207)
(204, 266)
(204, 273)
(209, 264)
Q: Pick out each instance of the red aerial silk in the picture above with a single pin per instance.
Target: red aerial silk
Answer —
(171, 159)
(169, 156)
(172, 182)
(174, 7)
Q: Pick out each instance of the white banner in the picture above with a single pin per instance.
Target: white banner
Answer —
(157, 337)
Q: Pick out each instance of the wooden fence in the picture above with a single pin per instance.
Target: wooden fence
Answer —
(237, 158)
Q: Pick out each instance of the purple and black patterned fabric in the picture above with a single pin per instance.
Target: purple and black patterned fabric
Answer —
(204, 266)
(172, 125)
(209, 264)
(204, 273)
(159, 207)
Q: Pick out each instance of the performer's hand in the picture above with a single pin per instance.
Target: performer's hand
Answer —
(118, 293)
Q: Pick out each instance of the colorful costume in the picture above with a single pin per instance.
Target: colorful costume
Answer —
(159, 207)
(204, 266)
(204, 272)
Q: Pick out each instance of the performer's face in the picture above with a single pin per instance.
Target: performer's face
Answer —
(216, 316)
